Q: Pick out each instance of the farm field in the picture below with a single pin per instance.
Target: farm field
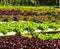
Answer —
(29, 27)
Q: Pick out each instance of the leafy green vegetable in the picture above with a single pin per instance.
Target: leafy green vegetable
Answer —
(19, 26)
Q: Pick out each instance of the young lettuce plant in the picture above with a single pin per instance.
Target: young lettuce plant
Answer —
(5, 31)
(27, 35)
(32, 28)
(41, 36)
(57, 26)
(19, 30)
(43, 27)
(53, 25)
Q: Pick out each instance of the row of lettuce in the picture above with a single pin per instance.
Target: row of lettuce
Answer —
(8, 18)
(44, 36)
(20, 26)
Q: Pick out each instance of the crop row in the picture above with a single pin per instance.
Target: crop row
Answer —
(28, 7)
(30, 11)
(42, 36)
(20, 42)
(19, 26)
(49, 18)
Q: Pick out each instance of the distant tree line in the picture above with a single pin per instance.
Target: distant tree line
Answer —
(30, 2)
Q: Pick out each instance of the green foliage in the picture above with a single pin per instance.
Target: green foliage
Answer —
(42, 13)
(28, 35)
(19, 26)
(49, 36)
(29, 2)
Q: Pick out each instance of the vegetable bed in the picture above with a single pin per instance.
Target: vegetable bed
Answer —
(32, 13)
(20, 26)
(42, 30)
(41, 18)
(37, 14)
(20, 42)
